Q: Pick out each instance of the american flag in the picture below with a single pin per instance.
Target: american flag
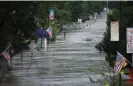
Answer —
(6, 54)
(49, 30)
(120, 61)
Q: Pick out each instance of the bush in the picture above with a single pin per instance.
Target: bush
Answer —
(55, 31)
(106, 45)
(123, 14)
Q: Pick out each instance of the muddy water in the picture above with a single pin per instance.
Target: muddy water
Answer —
(70, 61)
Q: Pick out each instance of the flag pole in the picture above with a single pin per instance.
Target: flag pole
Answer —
(119, 73)
(130, 63)
(7, 47)
(113, 78)
(119, 79)
(41, 41)
(126, 59)
(9, 54)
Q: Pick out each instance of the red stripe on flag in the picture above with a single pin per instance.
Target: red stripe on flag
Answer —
(6, 55)
(119, 65)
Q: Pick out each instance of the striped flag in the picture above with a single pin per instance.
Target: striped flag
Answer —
(6, 54)
(49, 30)
(120, 61)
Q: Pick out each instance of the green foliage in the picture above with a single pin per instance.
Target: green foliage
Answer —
(19, 19)
(123, 14)
(84, 8)
(16, 21)
(55, 31)
(106, 45)
(114, 4)
(76, 9)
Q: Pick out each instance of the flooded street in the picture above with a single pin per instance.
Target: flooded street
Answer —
(69, 61)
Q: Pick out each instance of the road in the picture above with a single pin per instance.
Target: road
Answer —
(69, 61)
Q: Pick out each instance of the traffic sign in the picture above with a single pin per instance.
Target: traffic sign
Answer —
(51, 16)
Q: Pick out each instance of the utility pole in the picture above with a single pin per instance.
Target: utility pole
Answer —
(107, 3)
(48, 15)
(48, 23)
(120, 39)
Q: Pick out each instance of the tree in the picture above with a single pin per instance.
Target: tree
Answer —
(20, 19)
(89, 7)
(123, 14)
(76, 9)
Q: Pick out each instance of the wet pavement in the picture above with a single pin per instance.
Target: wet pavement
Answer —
(69, 61)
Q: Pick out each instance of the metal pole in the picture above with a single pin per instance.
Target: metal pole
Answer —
(41, 41)
(64, 33)
(120, 79)
(11, 59)
(119, 38)
(21, 55)
(10, 49)
(113, 79)
(45, 43)
(48, 15)
(132, 60)
(107, 4)
(48, 20)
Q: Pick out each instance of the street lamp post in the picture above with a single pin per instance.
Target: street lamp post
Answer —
(107, 4)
